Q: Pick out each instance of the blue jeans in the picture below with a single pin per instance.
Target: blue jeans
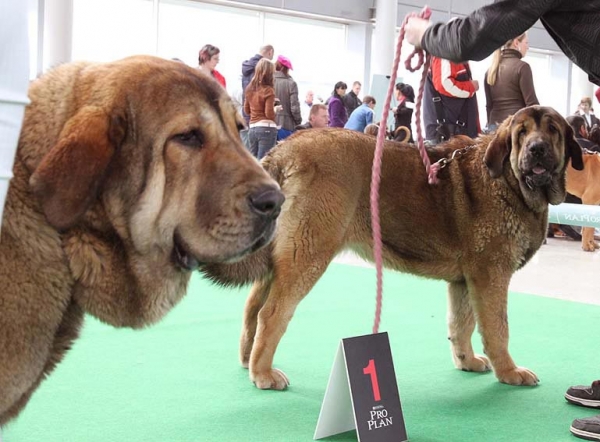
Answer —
(261, 140)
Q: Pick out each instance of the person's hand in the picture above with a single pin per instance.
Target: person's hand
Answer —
(414, 30)
(278, 108)
(475, 84)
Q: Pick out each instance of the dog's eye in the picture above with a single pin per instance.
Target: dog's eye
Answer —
(522, 132)
(192, 138)
(552, 128)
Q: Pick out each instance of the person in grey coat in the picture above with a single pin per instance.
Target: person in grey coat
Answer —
(286, 91)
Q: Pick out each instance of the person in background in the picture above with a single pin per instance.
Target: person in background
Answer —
(508, 83)
(362, 115)
(585, 110)
(260, 105)
(351, 100)
(579, 126)
(449, 101)
(286, 90)
(405, 97)
(372, 129)
(574, 27)
(317, 118)
(208, 59)
(306, 105)
(337, 111)
(248, 67)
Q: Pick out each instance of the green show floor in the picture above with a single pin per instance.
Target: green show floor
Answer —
(180, 381)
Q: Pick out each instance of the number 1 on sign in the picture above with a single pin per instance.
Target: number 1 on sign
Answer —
(371, 370)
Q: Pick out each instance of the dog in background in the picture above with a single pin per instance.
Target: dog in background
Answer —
(128, 175)
(585, 184)
(484, 220)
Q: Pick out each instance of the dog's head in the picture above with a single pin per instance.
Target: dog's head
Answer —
(538, 144)
(152, 148)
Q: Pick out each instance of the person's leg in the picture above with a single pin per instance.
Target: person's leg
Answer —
(587, 428)
(244, 137)
(584, 395)
(267, 139)
(253, 140)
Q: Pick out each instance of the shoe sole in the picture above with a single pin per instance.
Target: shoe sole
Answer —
(584, 434)
(590, 403)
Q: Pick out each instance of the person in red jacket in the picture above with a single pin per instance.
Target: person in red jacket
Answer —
(449, 101)
(208, 59)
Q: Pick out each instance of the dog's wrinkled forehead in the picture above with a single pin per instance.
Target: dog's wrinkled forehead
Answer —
(538, 118)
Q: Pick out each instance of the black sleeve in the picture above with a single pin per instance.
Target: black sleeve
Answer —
(477, 35)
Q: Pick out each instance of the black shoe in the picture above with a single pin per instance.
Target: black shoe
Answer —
(587, 428)
(584, 395)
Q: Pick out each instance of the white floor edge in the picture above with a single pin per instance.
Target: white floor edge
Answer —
(560, 269)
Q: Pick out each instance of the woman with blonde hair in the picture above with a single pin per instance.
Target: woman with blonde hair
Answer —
(260, 105)
(508, 82)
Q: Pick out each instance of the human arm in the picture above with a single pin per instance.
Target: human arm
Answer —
(526, 85)
(489, 104)
(247, 103)
(337, 113)
(477, 35)
(270, 104)
(444, 75)
(295, 103)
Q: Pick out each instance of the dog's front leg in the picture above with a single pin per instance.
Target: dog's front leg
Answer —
(489, 295)
(461, 323)
(256, 300)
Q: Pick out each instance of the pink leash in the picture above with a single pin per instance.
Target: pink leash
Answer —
(424, 61)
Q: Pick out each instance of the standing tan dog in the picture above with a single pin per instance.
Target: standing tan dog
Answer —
(485, 220)
(585, 184)
(128, 175)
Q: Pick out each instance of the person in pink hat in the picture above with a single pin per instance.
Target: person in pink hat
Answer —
(286, 92)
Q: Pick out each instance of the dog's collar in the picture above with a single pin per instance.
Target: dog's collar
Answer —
(457, 153)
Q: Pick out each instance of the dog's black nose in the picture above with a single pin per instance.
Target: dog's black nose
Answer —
(267, 201)
(538, 149)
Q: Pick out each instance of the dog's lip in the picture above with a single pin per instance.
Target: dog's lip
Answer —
(181, 254)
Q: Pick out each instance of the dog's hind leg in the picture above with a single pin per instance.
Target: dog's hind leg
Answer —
(256, 300)
(489, 296)
(292, 281)
(461, 324)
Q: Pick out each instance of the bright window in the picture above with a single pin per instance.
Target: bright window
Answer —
(105, 30)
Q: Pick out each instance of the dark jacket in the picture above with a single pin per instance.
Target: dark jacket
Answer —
(587, 144)
(460, 113)
(573, 24)
(286, 90)
(306, 125)
(351, 102)
(403, 117)
(248, 68)
(338, 115)
(513, 89)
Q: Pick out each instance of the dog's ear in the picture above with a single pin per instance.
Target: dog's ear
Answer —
(67, 180)
(573, 150)
(498, 149)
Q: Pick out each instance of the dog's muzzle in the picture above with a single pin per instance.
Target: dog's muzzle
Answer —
(539, 164)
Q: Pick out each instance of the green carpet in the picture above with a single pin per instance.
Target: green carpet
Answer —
(181, 381)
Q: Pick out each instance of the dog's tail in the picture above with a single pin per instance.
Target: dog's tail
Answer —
(254, 267)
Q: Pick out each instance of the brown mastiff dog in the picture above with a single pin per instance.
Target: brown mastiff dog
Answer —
(128, 175)
(483, 221)
(585, 184)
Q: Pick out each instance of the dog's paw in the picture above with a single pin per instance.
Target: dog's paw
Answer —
(477, 363)
(518, 376)
(273, 379)
(589, 246)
